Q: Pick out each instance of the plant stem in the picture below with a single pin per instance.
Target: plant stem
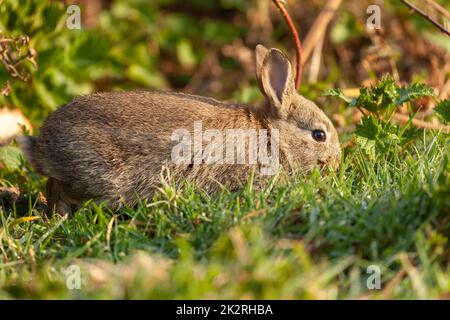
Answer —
(298, 44)
(424, 14)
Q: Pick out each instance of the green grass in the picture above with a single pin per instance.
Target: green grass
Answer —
(304, 237)
(301, 237)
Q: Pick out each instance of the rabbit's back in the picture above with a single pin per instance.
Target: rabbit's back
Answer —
(139, 110)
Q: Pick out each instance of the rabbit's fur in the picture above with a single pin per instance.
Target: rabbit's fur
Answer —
(112, 146)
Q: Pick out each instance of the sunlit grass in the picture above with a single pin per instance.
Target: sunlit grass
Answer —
(300, 237)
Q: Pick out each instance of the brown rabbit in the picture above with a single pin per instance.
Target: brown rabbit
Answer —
(112, 146)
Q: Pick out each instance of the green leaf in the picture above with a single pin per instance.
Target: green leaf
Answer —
(88, 49)
(185, 53)
(337, 93)
(368, 128)
(386, 95)
(46, 96)
(414, 92)
(369, 146)
(366, 100)
(443, 110)
(22, 220)
(345, 29)
(379, 98)
(145, 77)
(11, 157)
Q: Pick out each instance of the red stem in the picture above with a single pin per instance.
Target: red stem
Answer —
(298, 44)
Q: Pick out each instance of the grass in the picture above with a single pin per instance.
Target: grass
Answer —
(302, 237)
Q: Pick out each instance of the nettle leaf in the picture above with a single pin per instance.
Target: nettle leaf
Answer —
(369, 146)
(410, 134)
(368, 128)
(366, 100)
(377, 137)
(339, 94)
(443, 110)
(385, 92)
(11, 157)
(414, 92)
(384, 97)
(388, 133)
(380, 97)
(387, 138)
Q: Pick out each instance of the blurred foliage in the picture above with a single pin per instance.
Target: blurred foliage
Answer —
(167, 44)
(443, 109)
(123, 51)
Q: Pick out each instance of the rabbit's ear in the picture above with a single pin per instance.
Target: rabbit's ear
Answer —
(277, 82)
(260, 53)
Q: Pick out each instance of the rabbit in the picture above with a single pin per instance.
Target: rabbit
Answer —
(112, 147)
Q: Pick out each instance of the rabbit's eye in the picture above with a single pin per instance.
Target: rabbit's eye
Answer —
(319, 135)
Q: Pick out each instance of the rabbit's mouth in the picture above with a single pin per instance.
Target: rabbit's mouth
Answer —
(333, 163)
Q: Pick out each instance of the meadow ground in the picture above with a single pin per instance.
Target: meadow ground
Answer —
(322, 236)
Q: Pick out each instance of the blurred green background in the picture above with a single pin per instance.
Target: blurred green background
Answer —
(204, 47)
